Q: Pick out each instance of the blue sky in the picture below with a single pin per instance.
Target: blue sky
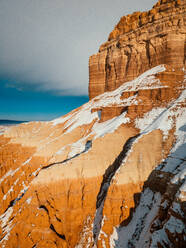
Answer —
(32, 105)
(44, 52)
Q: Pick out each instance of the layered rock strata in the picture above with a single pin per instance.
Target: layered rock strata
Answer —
(139, 42)
(110, 173)
(75, 181)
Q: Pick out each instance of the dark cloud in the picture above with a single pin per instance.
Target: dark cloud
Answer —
(45, 44)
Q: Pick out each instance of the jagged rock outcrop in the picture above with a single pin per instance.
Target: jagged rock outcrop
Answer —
(108, 174)
(139, 42)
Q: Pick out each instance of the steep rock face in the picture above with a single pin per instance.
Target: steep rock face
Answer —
(76, 181)
(108, 174)
(139, 42)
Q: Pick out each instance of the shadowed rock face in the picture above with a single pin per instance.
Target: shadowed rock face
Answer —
(108, 174)
(139, 42)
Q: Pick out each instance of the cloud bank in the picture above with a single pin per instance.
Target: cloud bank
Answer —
(45, 44)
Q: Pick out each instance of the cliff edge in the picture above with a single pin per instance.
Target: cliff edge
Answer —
(111, 173)
(139, 42)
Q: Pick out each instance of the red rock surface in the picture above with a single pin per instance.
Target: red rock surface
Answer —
(139, 42)
(108, 174)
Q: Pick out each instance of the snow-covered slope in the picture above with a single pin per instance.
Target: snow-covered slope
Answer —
(159, 218)
(109, 174)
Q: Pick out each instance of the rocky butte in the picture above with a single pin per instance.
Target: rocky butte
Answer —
(112, 172)
(139, 42)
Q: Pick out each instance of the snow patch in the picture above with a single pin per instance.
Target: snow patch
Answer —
(147, 120)
(163, 118)
(175, 225)
(9, 173)
(177, 208)
(77, 148)
(60, 120)
(137, 231)
(98, 221)
(59, 152)
(86, 233)
(4, 218)
(82, 117)
(101, 231)
(159, 236)
(114, 237)
(9, 191)
(36, 172)
(100, 129)
(179, 177)
(27, 161)
(28, 201)
(181, 195)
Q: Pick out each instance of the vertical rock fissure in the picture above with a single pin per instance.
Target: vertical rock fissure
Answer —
(115, 71)
(107, 177)
(128, 54)
(107, 69)
(147, 46)
(184, 57)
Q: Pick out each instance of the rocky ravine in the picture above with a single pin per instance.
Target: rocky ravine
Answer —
(109, 174)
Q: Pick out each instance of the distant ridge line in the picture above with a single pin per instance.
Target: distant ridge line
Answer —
(10, 122)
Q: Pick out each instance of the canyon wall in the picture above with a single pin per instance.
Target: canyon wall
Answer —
(139, 42)
(111, 173)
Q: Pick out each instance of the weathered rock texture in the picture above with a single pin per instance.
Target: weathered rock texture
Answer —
(139, 42)
(108, 174)
(69, 182)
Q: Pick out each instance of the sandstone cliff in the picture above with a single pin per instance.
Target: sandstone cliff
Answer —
(108, 174)
(75, 181)
(139, 42)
